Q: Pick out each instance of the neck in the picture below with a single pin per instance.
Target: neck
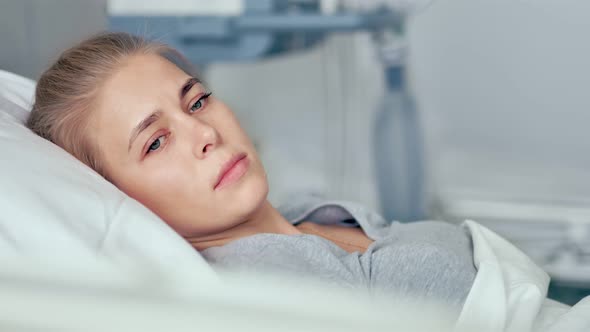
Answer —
(265, 220)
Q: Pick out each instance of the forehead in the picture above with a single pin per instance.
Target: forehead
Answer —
(147, 71)
(136, 89)
(139, 85)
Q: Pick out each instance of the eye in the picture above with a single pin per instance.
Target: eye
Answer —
(156, 144)
(200, 103)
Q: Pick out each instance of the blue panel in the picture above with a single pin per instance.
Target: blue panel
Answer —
(399, 154)
(201, 39)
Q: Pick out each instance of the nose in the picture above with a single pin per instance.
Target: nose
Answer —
(204, 136)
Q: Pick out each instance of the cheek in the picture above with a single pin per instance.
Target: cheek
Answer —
(164, 188)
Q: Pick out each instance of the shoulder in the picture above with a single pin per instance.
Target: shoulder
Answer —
(433, 241)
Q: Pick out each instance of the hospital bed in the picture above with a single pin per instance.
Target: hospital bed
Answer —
(59, 210)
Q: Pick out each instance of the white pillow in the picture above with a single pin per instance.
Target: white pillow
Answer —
(55, 207)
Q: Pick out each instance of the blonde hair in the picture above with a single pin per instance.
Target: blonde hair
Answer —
(66, 92)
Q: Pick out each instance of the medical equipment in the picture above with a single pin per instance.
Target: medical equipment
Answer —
(255, 29)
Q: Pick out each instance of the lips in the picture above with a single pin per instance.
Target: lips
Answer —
(229, 172)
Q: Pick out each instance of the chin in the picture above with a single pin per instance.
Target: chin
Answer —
(251, 196)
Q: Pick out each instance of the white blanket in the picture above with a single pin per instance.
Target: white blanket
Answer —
(509, 292)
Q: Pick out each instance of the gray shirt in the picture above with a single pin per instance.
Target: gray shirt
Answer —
(427, 259)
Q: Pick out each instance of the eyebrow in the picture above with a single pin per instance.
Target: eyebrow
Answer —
(186, 87)
(144, 124)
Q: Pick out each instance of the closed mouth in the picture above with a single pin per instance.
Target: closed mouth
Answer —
(227, 167)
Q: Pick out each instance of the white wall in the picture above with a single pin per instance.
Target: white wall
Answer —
(503, 88)
(33, 32)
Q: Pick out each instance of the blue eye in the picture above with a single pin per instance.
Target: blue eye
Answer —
(199, 103)
(156, 144)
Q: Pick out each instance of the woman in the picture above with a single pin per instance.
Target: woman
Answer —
(134, 112)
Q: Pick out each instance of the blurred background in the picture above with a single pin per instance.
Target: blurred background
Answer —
(448, 109)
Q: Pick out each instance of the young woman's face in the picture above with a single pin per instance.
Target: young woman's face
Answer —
(178, 150)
